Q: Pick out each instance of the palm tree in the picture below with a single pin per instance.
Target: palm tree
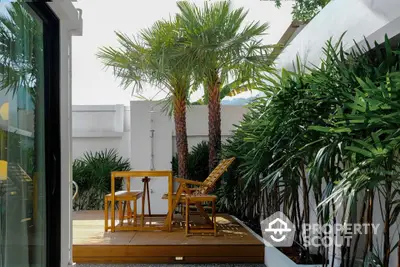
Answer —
(147, 59)
(19, 62)
(222, 51)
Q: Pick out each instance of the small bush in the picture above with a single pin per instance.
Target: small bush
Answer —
(197, 162)
(92, 173)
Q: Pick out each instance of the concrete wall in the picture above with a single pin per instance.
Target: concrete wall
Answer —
(97, 128)
(128, 130)
(197, 123)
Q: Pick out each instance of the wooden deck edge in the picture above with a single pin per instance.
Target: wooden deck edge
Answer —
(86, 251)
(166, 260)
(254, 234)
(179, 253)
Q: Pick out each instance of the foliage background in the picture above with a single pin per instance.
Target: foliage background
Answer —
(327, 135)
(197, 162)
(92, 174)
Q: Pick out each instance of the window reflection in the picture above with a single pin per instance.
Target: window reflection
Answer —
(22, 187)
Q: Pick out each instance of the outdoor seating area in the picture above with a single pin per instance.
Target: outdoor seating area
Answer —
(125, 211)
(188, 193)
(129, 234)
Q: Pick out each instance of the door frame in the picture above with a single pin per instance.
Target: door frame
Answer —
(51, 48)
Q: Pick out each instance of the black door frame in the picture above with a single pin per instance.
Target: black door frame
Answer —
(51, 48)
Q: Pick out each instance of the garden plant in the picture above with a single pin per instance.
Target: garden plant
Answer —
(324, 143)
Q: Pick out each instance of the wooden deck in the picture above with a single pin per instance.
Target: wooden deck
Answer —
(92, 245)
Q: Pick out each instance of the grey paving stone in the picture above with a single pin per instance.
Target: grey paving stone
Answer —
(171, 265)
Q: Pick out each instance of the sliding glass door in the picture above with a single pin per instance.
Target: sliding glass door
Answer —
(27, 158)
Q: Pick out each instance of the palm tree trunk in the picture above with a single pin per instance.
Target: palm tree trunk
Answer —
(181, 136)
(214, 124)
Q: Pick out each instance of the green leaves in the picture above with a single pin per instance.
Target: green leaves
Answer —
(330, 129)
(339, 121)
(92, 174)
(220, 48)
(305, 10)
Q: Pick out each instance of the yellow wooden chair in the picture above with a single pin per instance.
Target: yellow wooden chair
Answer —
(199, 190)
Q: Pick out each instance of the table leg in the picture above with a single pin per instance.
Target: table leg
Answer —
(143, 204)
(112, 203)
(148, 196)
(105, 214)
(121, 213)
(170, 209)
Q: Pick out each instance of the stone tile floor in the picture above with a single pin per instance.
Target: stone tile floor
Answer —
(171, 265)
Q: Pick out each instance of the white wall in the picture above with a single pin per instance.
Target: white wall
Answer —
(98, 128)
(147, 116)
(197, 123)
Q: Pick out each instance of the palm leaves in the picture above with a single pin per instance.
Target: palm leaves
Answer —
(305, 10)
(19, 55)
(225, 52)
(151, 58)
(207, 47)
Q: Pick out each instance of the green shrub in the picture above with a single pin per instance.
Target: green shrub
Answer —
(332, 132)
(92, 174)
(197, 162)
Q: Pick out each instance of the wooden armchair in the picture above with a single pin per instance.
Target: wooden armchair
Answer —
(189, 188)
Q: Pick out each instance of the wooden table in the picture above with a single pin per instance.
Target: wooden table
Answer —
(142, 174)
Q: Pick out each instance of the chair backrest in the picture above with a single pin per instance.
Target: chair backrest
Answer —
(212, 179)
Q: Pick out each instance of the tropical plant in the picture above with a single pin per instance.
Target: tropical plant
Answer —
(328, 135)
(305, 10)
(92, 174)
(147, 59)
(20, 67)
(223, 52)
(197, 162)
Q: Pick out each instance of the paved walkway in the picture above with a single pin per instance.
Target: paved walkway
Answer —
(171, 265)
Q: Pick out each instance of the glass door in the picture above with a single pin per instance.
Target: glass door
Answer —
(26, 158)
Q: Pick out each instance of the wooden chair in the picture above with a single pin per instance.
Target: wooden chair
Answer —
(200, 199)
(123, 198)
(199, 189)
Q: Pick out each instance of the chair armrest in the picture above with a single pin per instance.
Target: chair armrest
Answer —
(186, 181)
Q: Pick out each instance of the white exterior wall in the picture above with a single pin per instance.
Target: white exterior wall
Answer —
(197, 123)
(98, 128)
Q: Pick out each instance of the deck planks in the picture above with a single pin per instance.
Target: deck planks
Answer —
(92, 245)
